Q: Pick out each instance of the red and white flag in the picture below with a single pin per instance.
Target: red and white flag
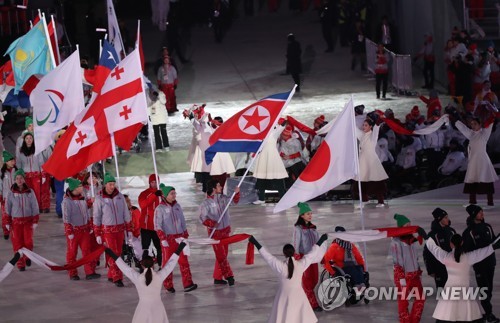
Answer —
(120, 108)
(57, 100)
(334, 163)
(373, 234)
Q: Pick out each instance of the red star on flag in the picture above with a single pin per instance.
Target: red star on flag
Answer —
(254, 119)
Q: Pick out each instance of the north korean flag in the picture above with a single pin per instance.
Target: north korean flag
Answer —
(247, 129)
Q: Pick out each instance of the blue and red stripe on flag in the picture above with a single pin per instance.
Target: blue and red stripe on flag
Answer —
(247, 129)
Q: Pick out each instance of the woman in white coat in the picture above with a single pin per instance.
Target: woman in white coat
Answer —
(480, 174)
(148, 284)
(159, 117)
(371, 172)
(269, 170)
(458, 264)
(290, 303)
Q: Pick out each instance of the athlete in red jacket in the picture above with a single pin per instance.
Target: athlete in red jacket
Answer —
(149, 199)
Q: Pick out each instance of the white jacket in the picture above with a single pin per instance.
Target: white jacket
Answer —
(158, 112)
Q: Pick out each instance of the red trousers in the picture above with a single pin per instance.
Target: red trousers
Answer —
(451, 83)
(169, 91)
(22, 236)
(272, 5)
(222, 269)
(93, 247)
(39, 182)
(4, 220)
(309, 281)
(81, 239)
(413, 281)
(114, 241)
(167, 252)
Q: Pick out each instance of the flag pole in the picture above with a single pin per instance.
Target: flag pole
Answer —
(150, 126)
(113, 146)
(356, 163)
(55, 38)
(255, 156)
(52, 58)
(89, 169)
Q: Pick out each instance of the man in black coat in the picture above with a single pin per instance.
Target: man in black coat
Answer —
(480, 234)
(441, 232)
(293, 60)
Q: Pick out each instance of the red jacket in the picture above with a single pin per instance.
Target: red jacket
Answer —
(148, 202)
(136, 221)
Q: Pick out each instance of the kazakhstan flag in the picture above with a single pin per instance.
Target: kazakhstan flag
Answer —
(29, 55)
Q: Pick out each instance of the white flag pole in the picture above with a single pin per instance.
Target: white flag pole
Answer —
(52, 58)
(150, 126)
(356, 163)
(113, 146)
(91, 184)
(255, 156)
(55, 37)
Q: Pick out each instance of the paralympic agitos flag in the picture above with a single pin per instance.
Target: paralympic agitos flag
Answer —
(247, 129)
(57, 100)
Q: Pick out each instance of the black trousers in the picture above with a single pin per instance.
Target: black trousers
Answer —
(429, 74)
(161, 137)
(296, 78)
(146, 237)
(484, 278)
(381, 79)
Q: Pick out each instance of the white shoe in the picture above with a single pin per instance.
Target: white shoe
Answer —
(166, 149)
(159, 150)
(258, 202)
(357, 206)
(380, 205)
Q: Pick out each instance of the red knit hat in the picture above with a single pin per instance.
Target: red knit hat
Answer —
(152, 178)
(415, 111)
(320, 119)
(287, 132)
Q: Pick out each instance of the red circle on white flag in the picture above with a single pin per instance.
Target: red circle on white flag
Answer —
(319, 164)
(255, 120)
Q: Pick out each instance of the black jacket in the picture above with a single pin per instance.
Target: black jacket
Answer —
(479, 235)
(442, 236)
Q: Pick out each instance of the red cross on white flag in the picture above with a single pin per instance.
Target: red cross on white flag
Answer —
(120, 109)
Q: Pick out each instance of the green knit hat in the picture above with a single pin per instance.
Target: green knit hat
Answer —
(20, 171)
(303, 208)
(28, 121)
(7, 156)
(73, 183)
(109, 178)
(401, 219)
(166, 189)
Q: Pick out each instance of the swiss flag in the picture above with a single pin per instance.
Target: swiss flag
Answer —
(335, 162)
(119, 107)
(246, 130)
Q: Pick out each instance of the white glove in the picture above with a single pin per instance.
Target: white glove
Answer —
(130, 237)
(35, 225)
(91, 231)
(164, 243)
(7, 226)
(71, 236)
(98, 239)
